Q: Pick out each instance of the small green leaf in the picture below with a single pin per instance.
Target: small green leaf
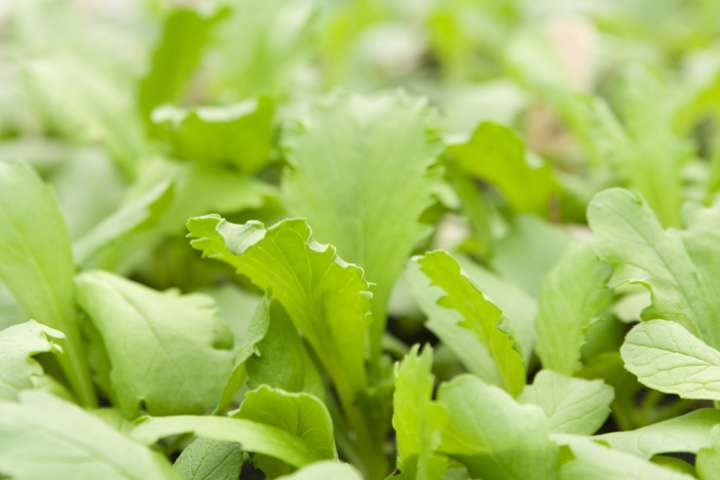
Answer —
(325, 471)
(18, 344)
(169, 353)
(44, 437)
(36, 264)
(207, 459)
(494, 436)
(572, 405)
(479, 316)
(666, 357)
(572, 296)
(686, 433)
(707, 461)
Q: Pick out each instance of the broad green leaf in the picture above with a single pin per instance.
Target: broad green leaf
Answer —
(495, 437)
(496, 154)
(301, 414)
(707, 461)
(527, 253)
(572, 296)
(344, 158)
(327, 299)
(592, 461)
(680, 267)
(140, 213)
(325, 470)
(169, 353)
(45, 437)
(479, 316)
(36, 264)
(179, 51)
(207, 459)
(18, 344)
(239, 135)
(686, 433)
(252, 436)
(418, 421)
(665, 356)
(281, 359)
(572, 405)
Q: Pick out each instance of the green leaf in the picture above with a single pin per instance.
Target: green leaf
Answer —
(666, 357)
(496, 154)
(592, 461)
(138, 214)
(169, 353)
(572, 405)
(325, 470)
(686, 433)
(572, 296)
(707, 461)
(495, 437)
(281, 359)
(207, 459)
(18, 344)
(36, 264)
(252, 436)
(479, 316)
(679, 267)
(239, 135)
(179, 51)
(44, 437)
(417, 420)
(301, 414)
(344, 159)
(326, 298)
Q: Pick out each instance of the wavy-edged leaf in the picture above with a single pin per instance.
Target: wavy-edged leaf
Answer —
(45, 437)
(18, 344)
(665, 356)
(170, 353)
(479, 316)
(572, 405)
(681, 267)
(344, 159)
(572, 296)
(36, 264)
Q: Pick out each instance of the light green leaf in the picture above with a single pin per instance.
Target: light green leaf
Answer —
(496, 154)
(344, 159)
(36, 264)
(179, 51)
(324, 471)
(666, 357)
(680, 267)
(135, 215)
(239, 135)
(592, 461)
(479, 316)
(327, 299)
(18, 343)
(252, 436)
(301, 414)
(44, 437)
(417, 420)
(207, 459)
(572, 405)
(495, 437)
(707, 461)
(572, 296)
(169, 353)
(281, 359)
(686, 433)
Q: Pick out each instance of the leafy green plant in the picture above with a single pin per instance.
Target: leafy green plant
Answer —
(307, 240)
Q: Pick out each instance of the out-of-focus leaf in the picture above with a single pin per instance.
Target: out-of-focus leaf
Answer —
(323, 470)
